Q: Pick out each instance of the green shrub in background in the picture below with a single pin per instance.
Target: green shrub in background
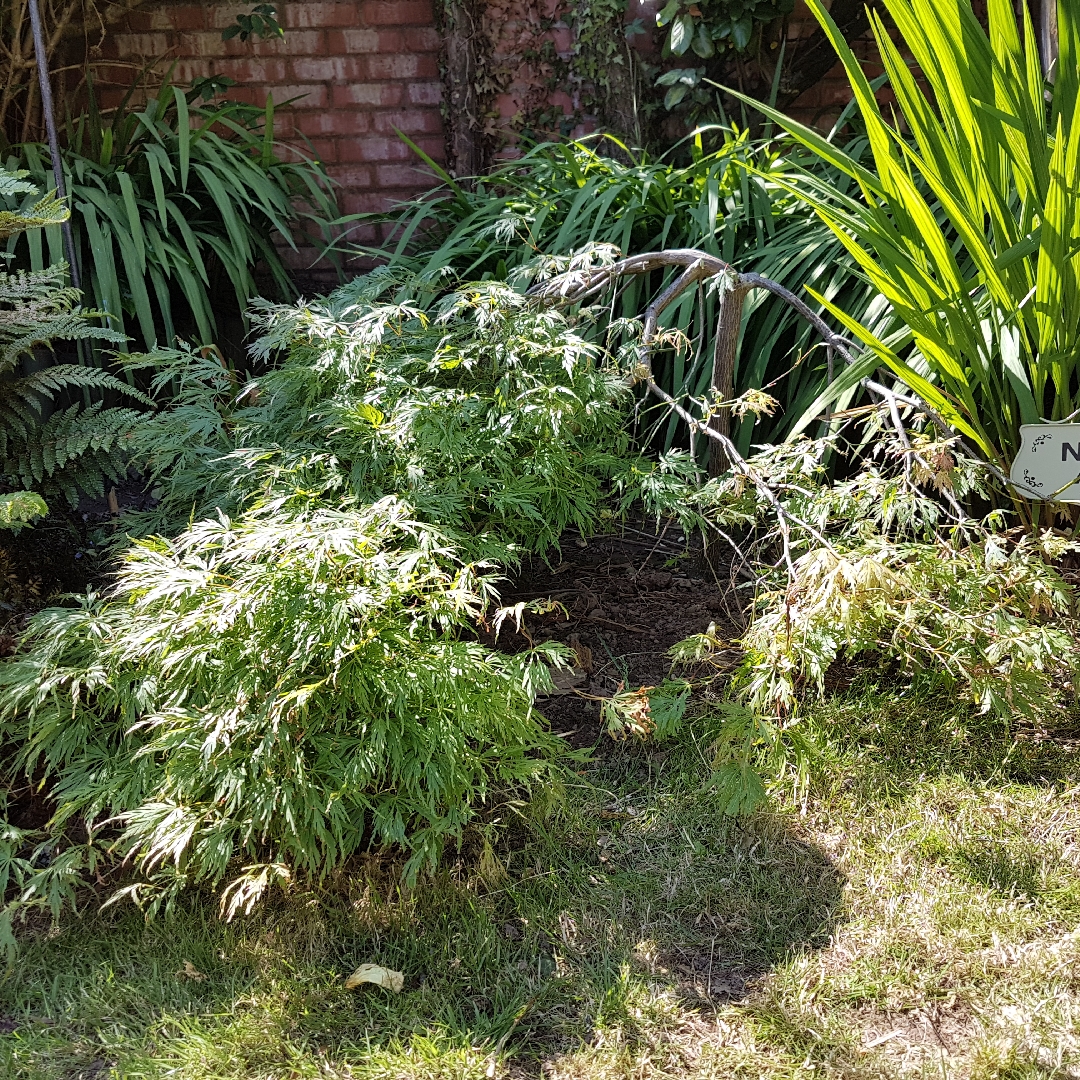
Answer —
(175, 203)
(490, 415)
(701, 30)
(558, 199)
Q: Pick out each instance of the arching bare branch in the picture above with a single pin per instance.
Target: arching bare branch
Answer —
(697, 266)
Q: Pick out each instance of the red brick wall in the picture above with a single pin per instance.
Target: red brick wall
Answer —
(362, 68)
(358, 69)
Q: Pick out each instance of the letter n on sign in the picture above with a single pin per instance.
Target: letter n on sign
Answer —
(1048, 464)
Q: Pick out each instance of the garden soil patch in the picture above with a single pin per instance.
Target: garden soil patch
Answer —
(621, 602)
(62, 553)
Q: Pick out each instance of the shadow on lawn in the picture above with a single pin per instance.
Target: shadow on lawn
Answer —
(642, 908)
(638, 907)
(623, 918)
(881, 737)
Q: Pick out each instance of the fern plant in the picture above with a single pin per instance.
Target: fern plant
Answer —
(75, 447)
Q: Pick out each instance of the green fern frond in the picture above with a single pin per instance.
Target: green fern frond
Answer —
(21, 403)
(89, 440)
(53, 380)
(76, 448)
(67, 327)
(47, 211)
(18, 417)
(37, 308)
(46, 285)
(12, 183)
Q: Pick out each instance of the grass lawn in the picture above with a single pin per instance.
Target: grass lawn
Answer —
(918, 915)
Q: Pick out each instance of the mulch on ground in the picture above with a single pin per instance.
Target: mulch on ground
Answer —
(623, 601)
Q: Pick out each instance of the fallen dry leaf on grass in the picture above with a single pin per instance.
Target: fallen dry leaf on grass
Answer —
(190, 971)
(380, 976)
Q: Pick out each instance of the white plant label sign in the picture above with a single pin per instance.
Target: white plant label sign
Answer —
(1048, 462)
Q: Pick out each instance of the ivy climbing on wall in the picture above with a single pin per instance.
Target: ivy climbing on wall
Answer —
(715, 30)
(710, 27)
(606, 68)
(742, 43)
(643, 73)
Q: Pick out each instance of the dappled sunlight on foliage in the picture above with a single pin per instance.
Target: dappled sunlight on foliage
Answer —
(290, 678)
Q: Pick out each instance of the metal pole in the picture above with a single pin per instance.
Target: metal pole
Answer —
(48, 112)
(1048, 34)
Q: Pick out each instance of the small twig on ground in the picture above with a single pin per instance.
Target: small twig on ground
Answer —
(612, 625)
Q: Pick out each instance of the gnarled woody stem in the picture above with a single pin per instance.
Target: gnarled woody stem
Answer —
(697, 266)
(723, 374)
